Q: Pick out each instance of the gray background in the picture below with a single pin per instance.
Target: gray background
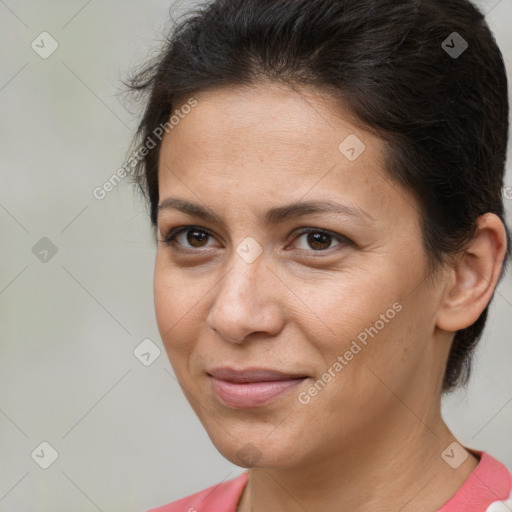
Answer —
(126, 438)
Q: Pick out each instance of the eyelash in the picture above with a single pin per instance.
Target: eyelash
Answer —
(170, 239)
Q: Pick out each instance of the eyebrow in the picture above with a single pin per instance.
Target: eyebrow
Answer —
(273, 216)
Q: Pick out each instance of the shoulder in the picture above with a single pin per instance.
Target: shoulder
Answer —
(224, 497)
(489, 488)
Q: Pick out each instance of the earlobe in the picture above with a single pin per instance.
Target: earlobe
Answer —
(474, 276)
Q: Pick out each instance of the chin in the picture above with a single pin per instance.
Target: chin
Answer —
(256, 450)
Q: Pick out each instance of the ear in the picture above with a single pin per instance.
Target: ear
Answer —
(474, 276)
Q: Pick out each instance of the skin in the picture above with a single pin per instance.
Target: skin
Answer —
(372, 438)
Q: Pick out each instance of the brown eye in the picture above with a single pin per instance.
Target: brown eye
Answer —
(319, 240)
(195, 237)
(188, 237)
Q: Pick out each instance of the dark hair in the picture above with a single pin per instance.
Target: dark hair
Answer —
(396, 64)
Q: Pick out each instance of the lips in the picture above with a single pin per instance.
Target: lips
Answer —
(252, 375)
(253, 387)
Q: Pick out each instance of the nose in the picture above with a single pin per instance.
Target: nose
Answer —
(246, 302)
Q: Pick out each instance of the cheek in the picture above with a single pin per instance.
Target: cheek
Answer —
(350, 308)
(394, 344)
(178, 304)
(165, 299)
(381, 320)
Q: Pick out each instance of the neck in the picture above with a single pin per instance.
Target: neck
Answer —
(400, 469)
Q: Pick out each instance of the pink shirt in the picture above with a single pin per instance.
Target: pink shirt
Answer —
(488, 489)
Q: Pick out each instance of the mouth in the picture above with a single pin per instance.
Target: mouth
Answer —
(253, 387)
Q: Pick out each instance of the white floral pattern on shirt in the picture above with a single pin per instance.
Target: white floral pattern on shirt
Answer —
(501, 506)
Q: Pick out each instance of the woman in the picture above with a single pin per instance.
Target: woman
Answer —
(325, 182)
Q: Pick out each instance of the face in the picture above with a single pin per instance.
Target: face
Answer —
(296, 333)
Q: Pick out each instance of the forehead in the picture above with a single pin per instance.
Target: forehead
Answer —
(271, 142)
(263, 119)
